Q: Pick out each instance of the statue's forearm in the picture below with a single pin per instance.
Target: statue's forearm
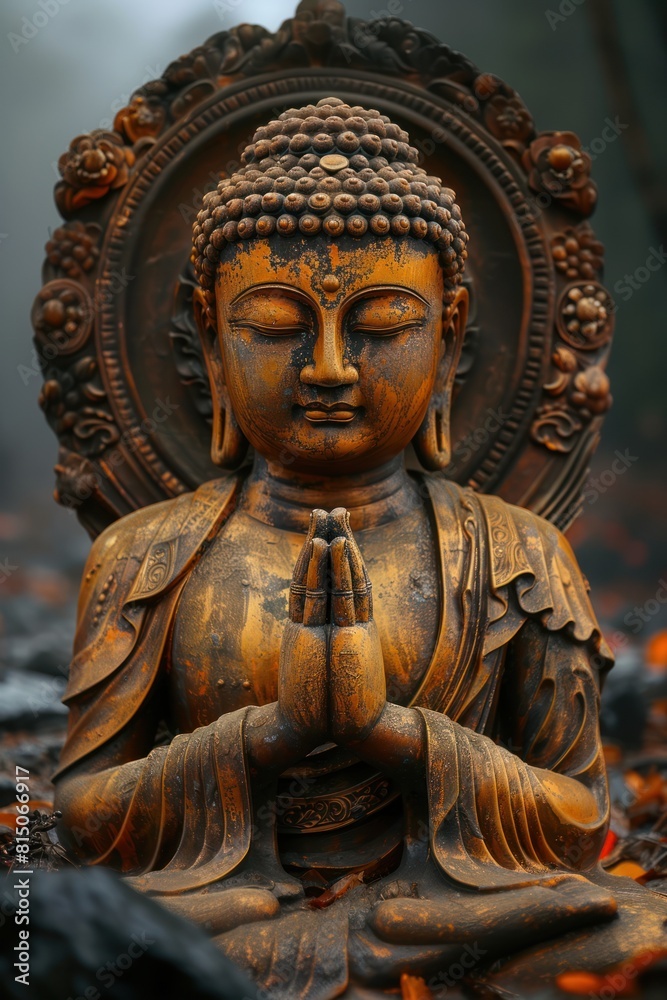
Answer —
(271, 742)
(94, 807)
(396, 742)
(567, 808)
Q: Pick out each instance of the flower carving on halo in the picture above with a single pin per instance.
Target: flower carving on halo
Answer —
(508, 118)
(558, 166)
(73, 248)
(142, 119)
(585, 316)
(62, 316)
(577, 253)
(486, 85)
(94, 164)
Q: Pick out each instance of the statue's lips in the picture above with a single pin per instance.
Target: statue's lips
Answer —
(340, 413)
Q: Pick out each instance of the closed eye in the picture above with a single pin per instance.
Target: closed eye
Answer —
(270, 331)
(386, 331)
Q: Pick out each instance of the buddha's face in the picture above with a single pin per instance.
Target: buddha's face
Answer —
(329, 350)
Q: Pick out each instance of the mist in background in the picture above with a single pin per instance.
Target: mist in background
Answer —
(578, 64)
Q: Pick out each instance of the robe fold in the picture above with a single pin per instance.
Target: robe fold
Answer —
(516, 782)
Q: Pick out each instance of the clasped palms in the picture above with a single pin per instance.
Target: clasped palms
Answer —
(331, 677)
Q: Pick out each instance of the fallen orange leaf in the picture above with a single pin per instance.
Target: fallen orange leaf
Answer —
(628, 868)
(610, 842)
(612, 754)
(583, 983)
(579, 983)
(337, 890)
(656, 651)
(414, 988)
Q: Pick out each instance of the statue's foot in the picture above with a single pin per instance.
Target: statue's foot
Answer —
(300, 956)
(220, 911)
(526, 915)
(639, 931)
(466, 928)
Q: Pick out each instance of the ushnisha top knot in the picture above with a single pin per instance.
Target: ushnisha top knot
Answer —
(330, 169)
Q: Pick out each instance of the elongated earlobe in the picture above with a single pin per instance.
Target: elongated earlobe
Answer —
(432, 442)
(228, 443)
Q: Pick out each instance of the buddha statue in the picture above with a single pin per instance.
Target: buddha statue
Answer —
(342, 714)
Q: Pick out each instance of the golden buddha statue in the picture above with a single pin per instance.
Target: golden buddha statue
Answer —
(322, 670)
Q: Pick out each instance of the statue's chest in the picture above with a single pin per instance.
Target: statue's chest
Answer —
(232, 611)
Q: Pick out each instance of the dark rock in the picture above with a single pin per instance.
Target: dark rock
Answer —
(90, 932)
(30, 700)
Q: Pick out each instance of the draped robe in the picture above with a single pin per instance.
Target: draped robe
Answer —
(517, 662)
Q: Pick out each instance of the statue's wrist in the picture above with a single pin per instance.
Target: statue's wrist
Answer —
(396, 741)
(272, 743)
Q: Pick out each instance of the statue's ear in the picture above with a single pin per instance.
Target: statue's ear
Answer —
(228, 444)
(432, 441)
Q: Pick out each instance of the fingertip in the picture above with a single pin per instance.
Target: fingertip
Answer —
(319, 523)
(339, 522)
(338, 546)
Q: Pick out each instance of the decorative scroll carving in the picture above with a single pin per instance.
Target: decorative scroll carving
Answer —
(155, 570)
(74, 404)
(556, 427)
(333, 811)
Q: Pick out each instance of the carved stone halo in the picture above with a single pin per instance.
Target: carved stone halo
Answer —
(139, 186)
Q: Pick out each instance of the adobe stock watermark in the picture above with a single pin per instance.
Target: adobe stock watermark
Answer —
(594, 488)
(610, 133)
(477, 438)
(635, 621)
(225, 7)
(32, 25)
(566, 9)
(471, 955)
(6, 569)
(626, 286)
(642, 614)
(617, 982)
(111, 971)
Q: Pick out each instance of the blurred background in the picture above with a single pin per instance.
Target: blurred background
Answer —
(581, 65)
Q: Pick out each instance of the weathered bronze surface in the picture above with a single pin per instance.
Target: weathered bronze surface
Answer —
(342, 712)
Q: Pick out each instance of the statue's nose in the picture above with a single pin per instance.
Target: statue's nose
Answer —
(329, 367)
